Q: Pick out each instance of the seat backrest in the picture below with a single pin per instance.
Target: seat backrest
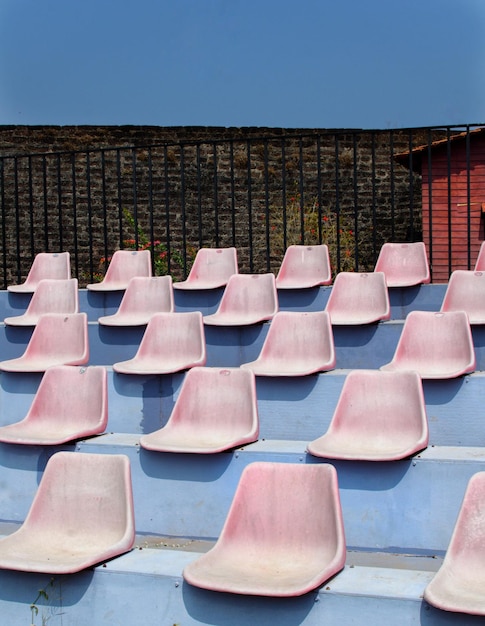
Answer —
(404, 264)
(297, 343)
(51, 296)
(359, 298)
(212, 268)
(380, 416)
(304, 266)
(53, 265)
(480, 262)
(60, 335)
(466, 292)
(143, 297)
(215, 410)
(85, 496)
(436, 345)
(124, 265)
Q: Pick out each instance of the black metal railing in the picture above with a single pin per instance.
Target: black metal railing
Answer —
(351, 189)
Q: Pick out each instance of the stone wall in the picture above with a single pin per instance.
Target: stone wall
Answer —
(259, 189)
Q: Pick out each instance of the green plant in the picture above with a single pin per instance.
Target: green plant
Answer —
(44, 597)
(309, 225)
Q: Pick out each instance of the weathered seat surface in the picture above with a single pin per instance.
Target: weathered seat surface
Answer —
(51, 296)
(216, 410)
(459, 583)
(247, 299)
(53, 265)
(124, 265)
(466, 292)
(404, 264)
(436, 345)
(303, 267)
(172, 342)
(297, 344)
(71, 402)
(58, 339)
(380, 416)
(81, 515)
(283, 535)
(143, 297)
(358, 298)
(212, 268)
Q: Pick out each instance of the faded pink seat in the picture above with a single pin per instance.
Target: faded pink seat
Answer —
(71, 403)
(212, 268)
(358, 298)
(480, 262)
(51, 296)
(81, 515)
(124, 265)
(58, 339)
(283, 535)
(459, 583)
(380, 416)
(303, 267)
(216, 410)
(297, 344)
(54, 265)
(404, 264)
(466, 292)
(143, 297)
(436, 345)
(172, 342)
(247, 299)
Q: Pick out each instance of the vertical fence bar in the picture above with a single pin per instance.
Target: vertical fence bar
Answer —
(392, 185)
(266, 206)
(46, 205)
(250, 207)
(59, 203)
(90, 217)
(199, 196)
(301, 190)
(374, 203)
(151, 227)
(319, 188)
(216, 192)
(337, 198)
(182, 205)
(430, 201)
(411, 187)
(468, 197)
(450, 214)
(74, 213)
(167, 205)
(17, 217)
(4, 226)
(103, 204)
(233, 193)
(356, 207)
(135, 197)
(31, 209)
(120, 201)
(283, 191)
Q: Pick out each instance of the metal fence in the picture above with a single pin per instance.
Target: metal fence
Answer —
(351, 189)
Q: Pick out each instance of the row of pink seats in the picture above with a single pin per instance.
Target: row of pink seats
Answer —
(83, 514)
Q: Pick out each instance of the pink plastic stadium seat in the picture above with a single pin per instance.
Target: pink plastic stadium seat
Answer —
(142, 298)
(124, 265)
(212, 268)
(58, 339)
(297, 344)
(247, 299)
(380, 416)
(466, 292)
(54, 265)
(480, 262)
(71, 403)
(216, 410)
(436, 345)
(459, 583)
(81, 515)
(51, 296)
(358, 299)
(404, 264)
(303, 267)
(283, 535)
(172, 342)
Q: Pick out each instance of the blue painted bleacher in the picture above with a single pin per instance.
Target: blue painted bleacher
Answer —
(398, 516)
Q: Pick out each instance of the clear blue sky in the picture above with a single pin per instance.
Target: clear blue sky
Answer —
(280, 63)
